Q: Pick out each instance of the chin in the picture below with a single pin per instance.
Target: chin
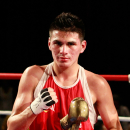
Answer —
(64, 64)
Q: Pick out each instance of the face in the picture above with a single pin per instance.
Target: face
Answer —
(65, 47)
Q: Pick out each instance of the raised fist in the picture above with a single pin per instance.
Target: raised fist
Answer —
(45, 99)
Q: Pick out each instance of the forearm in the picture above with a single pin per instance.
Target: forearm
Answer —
(118, 127)
(21, 121)
(115, 129)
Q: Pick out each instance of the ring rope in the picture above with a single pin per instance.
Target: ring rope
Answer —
(10, 75)
(5, 112)
(121, 118)
(107, 77)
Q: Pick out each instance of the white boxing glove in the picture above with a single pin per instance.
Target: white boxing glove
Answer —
(42, 102)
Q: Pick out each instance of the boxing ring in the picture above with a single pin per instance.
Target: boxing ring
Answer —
(17, 76)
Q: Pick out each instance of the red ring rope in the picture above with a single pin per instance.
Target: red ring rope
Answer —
(116, 77)
(107, 77)
(10, 75)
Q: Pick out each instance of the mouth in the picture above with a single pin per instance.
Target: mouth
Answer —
(63, 58)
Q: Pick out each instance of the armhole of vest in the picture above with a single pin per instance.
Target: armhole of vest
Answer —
(87, 95)
(43, 79)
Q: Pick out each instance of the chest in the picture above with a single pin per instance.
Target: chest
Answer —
(66, 94)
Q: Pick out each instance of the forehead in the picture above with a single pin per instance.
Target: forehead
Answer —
(62, 34)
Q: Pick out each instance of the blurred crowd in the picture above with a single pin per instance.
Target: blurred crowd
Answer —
(123, 111)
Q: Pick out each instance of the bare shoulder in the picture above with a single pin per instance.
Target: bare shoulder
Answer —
(35, 71)
(98, 85)
(95, 79)
(31, 77)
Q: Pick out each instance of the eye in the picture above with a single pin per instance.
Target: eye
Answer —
(71, 43)
(57, 43)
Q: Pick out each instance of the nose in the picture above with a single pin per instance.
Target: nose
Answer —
(63, 49)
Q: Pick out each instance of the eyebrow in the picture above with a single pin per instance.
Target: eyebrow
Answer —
(56, 41)
(67, 42)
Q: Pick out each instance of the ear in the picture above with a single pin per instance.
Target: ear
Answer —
(83, 46)
(49, 43)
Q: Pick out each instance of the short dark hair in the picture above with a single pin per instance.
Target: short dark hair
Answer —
(69, 23)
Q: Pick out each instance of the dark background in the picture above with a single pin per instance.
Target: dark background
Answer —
(24, 36)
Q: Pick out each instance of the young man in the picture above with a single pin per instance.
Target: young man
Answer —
(45, 92)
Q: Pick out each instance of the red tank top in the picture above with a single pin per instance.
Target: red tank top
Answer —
(50, 119)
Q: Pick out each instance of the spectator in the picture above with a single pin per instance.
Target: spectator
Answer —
(122, 110)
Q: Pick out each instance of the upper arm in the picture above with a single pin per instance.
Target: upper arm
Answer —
(103, 100)
(105, 104)
(26, 88)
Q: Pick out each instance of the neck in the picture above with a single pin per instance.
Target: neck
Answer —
(66, 71)
(66, 76)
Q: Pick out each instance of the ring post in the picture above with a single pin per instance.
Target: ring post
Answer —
(129, 78)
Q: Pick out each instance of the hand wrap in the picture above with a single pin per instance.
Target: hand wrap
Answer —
(42, 102)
